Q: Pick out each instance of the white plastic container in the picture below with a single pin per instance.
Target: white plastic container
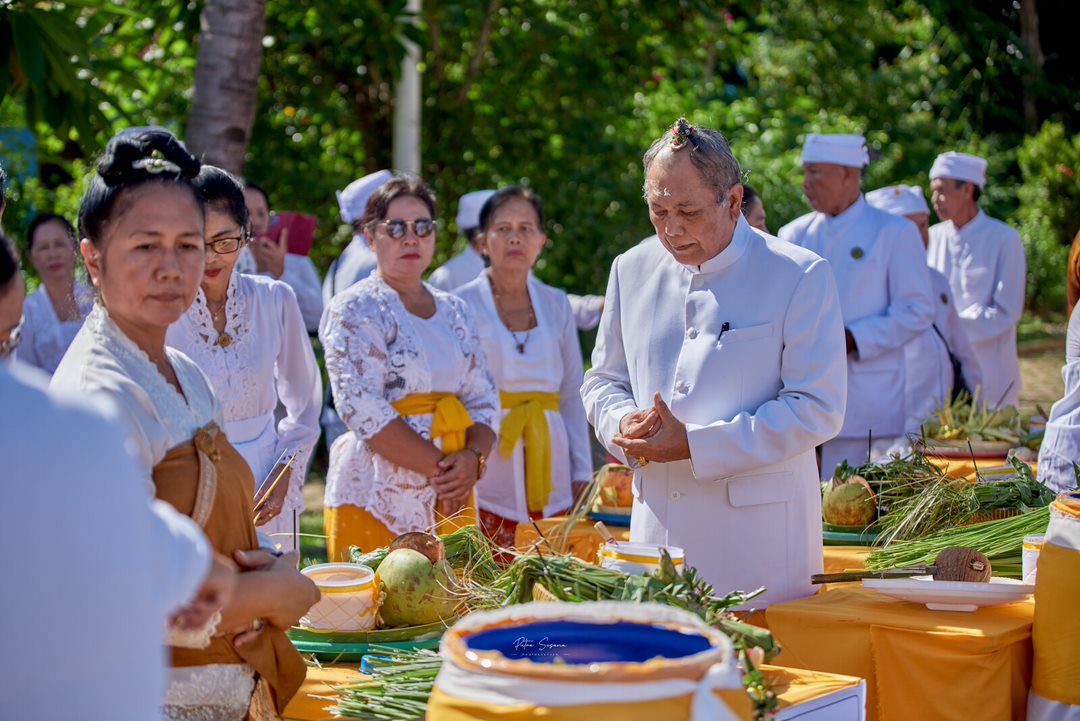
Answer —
(350, 597)
(1029, 557)
(638, 559)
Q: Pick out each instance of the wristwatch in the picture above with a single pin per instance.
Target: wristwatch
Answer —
(481, 462)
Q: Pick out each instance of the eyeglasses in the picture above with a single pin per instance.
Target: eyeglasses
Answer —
(395, 227)
(225, 246)
(7, 347)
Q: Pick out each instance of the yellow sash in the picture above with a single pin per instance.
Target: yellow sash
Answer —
(449, 419)
(526, 418)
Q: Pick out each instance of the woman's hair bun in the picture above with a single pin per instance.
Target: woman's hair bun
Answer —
(145, 153)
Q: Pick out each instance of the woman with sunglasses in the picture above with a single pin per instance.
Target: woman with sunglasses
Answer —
(247, 334)
(411, 383)
(55, 312)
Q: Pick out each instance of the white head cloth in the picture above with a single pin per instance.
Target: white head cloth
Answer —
(898, 199)
(468, 209)
(847, 150)
(354, 198)
(960, 166)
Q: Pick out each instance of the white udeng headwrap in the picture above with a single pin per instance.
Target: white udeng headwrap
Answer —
(468, 209)
(960, 166)
(847, 150)
(354, 198)
(898, 199)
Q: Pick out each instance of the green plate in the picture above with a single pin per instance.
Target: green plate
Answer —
(341, 646)
(842, 536)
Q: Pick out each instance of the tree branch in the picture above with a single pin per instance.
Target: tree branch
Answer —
(478, 53)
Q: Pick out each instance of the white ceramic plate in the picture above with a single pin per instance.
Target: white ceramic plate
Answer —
(951, 595)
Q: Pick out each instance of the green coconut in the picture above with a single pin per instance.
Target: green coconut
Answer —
(415, 591)
(848, 503)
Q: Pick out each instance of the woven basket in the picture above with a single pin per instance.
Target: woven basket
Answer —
(539, 593)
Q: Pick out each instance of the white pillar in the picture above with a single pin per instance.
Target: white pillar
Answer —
(407, 106)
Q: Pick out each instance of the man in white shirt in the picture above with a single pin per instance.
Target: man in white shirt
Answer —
(267, 257)
(469, 263)
(983, 259)
(884, 288)
(84, 609)
(929, 358)
(357, 260)
(718, 368)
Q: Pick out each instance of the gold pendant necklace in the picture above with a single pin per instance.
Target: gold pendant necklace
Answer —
(224, 340)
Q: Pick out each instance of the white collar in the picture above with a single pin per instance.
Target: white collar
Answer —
(740, 241)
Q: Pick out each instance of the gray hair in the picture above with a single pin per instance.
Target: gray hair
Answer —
(709, 152)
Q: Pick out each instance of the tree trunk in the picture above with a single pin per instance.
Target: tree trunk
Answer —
(226, 81)
(1029, 35)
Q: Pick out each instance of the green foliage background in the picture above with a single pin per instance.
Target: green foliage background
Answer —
(565, 95)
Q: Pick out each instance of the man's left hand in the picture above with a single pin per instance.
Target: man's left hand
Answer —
(667, 444)
(270, 256)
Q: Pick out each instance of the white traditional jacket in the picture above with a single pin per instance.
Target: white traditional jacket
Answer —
(748, 351)
(550, 362)
(984, 262)
(268, 362)
(374, 356)
(880, 269)
(927, 365)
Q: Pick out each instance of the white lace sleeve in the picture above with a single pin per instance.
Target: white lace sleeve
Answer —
(357, 362)
(478, 392)
(299, 386)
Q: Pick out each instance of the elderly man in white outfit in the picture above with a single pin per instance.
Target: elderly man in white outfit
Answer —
(884, 287)
(718, 368)
(983, 258)
(929, 358)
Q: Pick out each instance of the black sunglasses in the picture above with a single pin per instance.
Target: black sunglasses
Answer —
(421, 227)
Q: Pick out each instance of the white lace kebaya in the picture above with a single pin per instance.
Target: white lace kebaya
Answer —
(267, 359)
(374, 356)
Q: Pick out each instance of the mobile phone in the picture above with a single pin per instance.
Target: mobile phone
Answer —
(301, 230)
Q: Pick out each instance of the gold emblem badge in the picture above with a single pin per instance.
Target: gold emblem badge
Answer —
(857, 252)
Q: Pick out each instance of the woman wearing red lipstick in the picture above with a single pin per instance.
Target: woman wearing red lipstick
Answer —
(529, 336)
(53, 313)
(247, 333)
(411, 383)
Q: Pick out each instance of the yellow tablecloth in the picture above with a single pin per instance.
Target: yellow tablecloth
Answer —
(582, 540)
(965, 467)
(918, 664)
(792, 686)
